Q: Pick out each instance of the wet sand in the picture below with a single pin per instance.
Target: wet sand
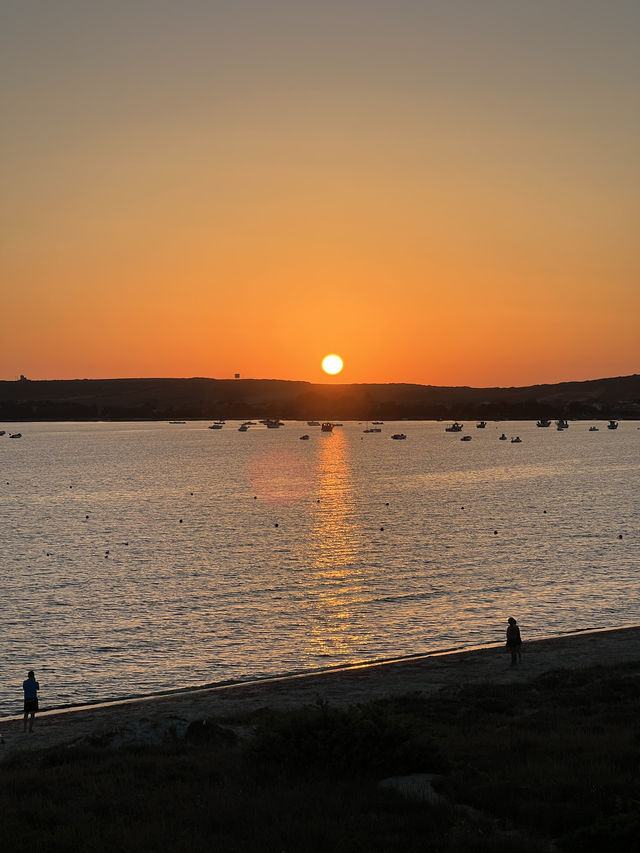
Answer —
(148, 719)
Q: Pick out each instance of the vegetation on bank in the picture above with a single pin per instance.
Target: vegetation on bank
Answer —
(168, 399)
(552, 764)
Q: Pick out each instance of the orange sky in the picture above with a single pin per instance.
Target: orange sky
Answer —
(444, 193)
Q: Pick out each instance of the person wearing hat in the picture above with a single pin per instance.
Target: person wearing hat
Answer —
(514, 641)
(30, 687)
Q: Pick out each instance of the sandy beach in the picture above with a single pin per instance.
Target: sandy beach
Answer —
(149, 719)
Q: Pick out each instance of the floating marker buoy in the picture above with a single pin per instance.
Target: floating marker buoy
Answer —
(544, 511)
(276, 524)
(495, 532)
(386, 504)
(382, 528)
(620, 536)
(86, 516)
(461, 507)
(180, 521)
(255, 497)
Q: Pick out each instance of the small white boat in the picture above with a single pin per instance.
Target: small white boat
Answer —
(398, 436)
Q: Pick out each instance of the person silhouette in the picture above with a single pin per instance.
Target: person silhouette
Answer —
(30, 687)
(514, 641)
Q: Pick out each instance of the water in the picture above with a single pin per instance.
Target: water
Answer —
(211, 555)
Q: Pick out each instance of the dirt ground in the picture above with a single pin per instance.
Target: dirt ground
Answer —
(150, 718)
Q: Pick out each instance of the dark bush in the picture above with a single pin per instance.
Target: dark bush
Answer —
(363, 740)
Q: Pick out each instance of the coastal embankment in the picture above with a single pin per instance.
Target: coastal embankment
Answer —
(150, 719)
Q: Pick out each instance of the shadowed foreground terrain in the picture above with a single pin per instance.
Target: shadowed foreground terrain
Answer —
(546, 761)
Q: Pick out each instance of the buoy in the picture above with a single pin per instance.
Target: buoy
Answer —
(544, 511)
(386, 504)
(382, 528)
(180, 521)
(495, 532)
(255, 497)
(86, 516)
(461, 507)
(620, 536)
(276, 524)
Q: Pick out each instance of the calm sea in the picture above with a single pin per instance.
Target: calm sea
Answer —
(142, 556)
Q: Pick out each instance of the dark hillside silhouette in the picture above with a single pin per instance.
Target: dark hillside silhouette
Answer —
(166, 399)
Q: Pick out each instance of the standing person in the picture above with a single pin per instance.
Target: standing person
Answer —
(30, 687)
(514, 641)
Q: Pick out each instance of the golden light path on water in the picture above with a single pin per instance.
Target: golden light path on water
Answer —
(334, 545)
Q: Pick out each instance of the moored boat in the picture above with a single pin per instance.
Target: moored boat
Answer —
(466, 438)
(327, 426)
(543, 422)
(398, 436)
(481, 425)
(612, 425)
(455, 427)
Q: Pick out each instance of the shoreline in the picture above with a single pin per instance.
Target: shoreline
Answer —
(115, 701)
(150, 718)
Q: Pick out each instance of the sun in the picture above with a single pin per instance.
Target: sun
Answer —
(332, 364)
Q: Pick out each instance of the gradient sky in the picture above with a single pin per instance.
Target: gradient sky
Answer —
(441, 192)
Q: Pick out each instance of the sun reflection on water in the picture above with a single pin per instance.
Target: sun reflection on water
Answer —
(335, 575)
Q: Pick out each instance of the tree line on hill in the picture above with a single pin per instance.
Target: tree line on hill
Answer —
(171, 399)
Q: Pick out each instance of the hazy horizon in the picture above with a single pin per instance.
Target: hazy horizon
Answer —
(327, 380)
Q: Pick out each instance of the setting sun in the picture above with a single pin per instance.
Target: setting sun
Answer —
(332, 364)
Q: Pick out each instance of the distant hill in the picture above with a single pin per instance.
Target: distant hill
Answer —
(169, 399)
